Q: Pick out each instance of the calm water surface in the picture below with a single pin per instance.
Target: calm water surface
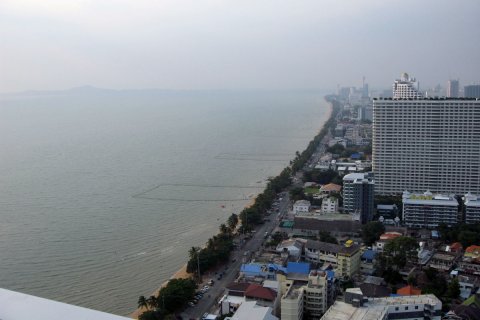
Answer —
(96, 189)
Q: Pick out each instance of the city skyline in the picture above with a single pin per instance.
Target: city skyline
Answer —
(54, 45)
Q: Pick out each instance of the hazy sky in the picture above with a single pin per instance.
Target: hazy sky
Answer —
(120, 44)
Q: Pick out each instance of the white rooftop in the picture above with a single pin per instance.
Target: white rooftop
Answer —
(20, 306)
(249, 310)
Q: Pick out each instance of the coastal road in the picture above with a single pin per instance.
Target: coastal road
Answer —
(231, 270)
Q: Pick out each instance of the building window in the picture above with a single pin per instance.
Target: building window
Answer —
(396, 308)
(406, 308)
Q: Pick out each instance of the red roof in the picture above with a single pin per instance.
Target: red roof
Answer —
(473, 249)
(331, 187)
(390, 235)
(409, 291)
(256, 291)
(456, 246)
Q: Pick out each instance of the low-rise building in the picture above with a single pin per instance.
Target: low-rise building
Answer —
(428, 210)
(473, 252)
(301, 206)
(442, 261)
(329, 205)
(367, 262)
(409, 291)
(384, 239)
(249, 310)
(344, 258)
(304, 226)
(330, 188)
(358, 307)
(293, 246)
(472, 208)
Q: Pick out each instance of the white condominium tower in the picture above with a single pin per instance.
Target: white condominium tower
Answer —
(406, 87)
(426, 144)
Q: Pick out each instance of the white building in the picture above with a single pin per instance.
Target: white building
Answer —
(358, 307)
(301, 206)
(293, 246)
(249, 310)
(428, 210)
(313, 297)
(472, 208)
(329, 205)
(406, 88)
(426, 144)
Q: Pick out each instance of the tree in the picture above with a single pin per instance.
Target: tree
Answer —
(467, 238)
(453, 289)
(232, 222)
(176, 294)
(224, 229)
(152, 302)
(397, 252)
(151, 315)
(325, 236)
(297, 194)
(371, 232)
(142, 302)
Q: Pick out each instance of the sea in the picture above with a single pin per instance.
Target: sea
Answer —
(103, 192)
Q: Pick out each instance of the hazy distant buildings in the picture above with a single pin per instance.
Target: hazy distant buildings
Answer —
(406, 87)
(452, 89)
(358, 195)
(426, 144)
(472, 91)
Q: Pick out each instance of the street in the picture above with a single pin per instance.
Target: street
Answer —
(232, 269)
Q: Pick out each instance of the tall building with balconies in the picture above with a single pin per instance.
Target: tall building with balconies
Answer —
(426, 144)
(406, 88)
(358, 195)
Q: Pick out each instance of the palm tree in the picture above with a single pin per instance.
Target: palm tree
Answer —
(232, 221)
(223, 229)
(152, 302)
(142, 302)
(193, 252)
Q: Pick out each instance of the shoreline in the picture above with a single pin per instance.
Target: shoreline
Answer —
(182, 272)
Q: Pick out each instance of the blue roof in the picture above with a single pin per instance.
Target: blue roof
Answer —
(298, 267)
(369, 255)
(330, 274)
(251, 268)
(256, 268)
(355, 156)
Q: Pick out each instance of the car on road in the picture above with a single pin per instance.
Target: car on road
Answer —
(191, 304)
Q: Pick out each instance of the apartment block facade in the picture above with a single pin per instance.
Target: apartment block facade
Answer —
(428, 210)
(358, 195)
(426, 144)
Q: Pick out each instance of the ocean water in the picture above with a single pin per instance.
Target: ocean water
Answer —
(103, 193)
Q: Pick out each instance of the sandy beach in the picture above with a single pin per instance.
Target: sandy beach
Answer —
(182, 272)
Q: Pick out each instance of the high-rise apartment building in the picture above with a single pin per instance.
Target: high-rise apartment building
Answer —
(426, 144)
(452, 89)
(472, 91)
(358, 195)
(406, 87)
